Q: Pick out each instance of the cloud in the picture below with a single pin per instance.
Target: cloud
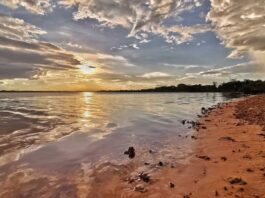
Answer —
(243, 68)
(140, 17)
(155, 75)
(124, 80)
(238, 71)
(24, 56)
(34, 6)
(145, 41)
(18, 29)
(134, 46)
(106, 61)
(240, 24)
(74, 45)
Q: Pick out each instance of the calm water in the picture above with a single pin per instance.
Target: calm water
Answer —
(48, 133)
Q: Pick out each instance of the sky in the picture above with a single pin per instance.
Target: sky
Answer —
(89, 45)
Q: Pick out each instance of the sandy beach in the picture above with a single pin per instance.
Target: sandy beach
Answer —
(228, 160)
(229, 157)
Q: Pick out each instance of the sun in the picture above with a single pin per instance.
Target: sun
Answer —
(87, 69)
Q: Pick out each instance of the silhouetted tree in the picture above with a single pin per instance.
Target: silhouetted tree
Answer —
(246, 86)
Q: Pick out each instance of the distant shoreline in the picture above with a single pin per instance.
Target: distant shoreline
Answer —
(246, 86)
(126, 91)
(3, 91)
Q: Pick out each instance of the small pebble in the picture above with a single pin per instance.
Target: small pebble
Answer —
(224, 158)
(216, 193)
(171, 185)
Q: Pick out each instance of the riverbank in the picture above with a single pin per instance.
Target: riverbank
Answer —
(229, 159)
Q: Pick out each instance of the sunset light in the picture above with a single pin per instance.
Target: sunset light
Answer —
(132, 98)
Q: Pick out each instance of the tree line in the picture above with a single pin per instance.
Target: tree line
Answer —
(246, 86)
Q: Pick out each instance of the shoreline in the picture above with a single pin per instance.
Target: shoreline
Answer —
(228, 161)
(229, 157)
(228, 148)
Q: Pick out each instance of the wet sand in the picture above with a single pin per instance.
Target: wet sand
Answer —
(229, 160)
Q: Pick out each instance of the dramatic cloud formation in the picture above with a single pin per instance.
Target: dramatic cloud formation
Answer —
(113, 44)
(140, 16)
(23, 56)
(34, 6)
(240, 24)
(17, 29)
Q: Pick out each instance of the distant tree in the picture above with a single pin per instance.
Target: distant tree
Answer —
(245, 86)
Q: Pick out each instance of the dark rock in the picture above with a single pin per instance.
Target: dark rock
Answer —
(225, 188)
(160, 163)
(183, 122)
(130, 152)
(204, 157)
(146, 163)
(194, 137)
(144, 177)
(171, 185)
(224, 158)
(203, 110)
(216, 193)
(249, 170)
(237, 180)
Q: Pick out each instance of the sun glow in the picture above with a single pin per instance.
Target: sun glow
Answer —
(87, 69)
